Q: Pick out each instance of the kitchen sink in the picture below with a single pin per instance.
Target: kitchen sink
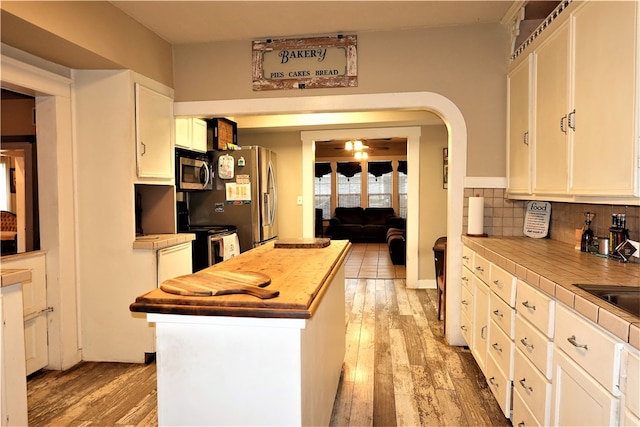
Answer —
(626, 298)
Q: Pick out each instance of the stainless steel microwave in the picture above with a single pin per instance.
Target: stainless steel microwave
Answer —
(194, 171)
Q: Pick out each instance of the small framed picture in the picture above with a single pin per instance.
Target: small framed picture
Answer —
(445, 168)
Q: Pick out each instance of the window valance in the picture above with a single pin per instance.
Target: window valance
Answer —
(402, 166)
(349, 169)
(322, 169)
(378, 169)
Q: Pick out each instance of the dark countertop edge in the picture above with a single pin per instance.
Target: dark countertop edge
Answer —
(588, 306)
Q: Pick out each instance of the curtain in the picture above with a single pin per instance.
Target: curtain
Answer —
(322, 169)
(378, 169)
(349, 169)
(402, 166)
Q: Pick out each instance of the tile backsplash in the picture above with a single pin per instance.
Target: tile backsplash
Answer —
(505, 217)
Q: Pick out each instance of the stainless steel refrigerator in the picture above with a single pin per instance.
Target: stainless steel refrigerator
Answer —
(244, 194)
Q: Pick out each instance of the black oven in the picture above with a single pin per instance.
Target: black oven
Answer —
(206, 246)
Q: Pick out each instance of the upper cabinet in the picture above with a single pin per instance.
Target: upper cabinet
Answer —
(154, 130)
(518, 147)
(191, 134)
(583, 115)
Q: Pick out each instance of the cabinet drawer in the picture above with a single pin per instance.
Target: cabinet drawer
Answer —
(536, 307)
(467, 275)
(537, 347)
(466, 329)
(500, 386)
(522, 415)
(593, 349)
(466, 302)
(503, 315)
(481, 268)
(533, 387)
(503, 284)
(501, 348)
(467, 257)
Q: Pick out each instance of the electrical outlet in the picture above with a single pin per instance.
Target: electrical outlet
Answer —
(299, 200)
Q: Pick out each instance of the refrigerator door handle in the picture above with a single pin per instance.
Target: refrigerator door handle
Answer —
(272, 189)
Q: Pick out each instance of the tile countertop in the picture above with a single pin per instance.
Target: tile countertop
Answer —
(159, 241)
(555, 267)
(10, 276)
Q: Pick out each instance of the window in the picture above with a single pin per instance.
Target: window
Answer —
(380, 184)
(402, 188)
(323, 188)
(349, 183)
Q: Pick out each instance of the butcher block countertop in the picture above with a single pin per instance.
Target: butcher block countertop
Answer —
(555, 267)
(300, 275)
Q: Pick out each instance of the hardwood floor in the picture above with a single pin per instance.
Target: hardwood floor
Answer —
(398, 370)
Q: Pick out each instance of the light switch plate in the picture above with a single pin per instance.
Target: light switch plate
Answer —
(299, 200)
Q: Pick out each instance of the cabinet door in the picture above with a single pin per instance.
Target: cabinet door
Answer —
(605, 144)
(480, 322)
(519, 166)
(551, 114)
(154, 125)
(183, 133)
(578, 399)
(199, 135)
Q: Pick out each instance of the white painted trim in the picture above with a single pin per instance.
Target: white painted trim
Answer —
(427, 284)
(485, 182)
(17, 75)
(433, 102)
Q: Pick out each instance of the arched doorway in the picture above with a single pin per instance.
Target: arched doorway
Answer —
(457, 144)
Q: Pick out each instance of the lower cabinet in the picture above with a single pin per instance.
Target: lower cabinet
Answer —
(578, 399)
(629, 384)
(480, 323)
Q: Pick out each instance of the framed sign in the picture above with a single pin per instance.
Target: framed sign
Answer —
(306, 63)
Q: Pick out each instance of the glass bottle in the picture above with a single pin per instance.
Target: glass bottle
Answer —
(587, 234)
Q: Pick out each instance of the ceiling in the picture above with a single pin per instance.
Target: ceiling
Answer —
(182, 22)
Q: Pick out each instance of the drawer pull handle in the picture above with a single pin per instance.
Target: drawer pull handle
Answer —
(572, 340)
(529, 306)
(464, 257)
(464, 302)
(492, 380)
(498, 283)
(465, 279)
(463, 327)
(497, 313)
(526, 387)
(496, 347)
(526, 344)
(521, 424)
(480, 269)
(484, 328)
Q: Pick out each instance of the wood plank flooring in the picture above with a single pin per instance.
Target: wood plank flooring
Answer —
(398, 370)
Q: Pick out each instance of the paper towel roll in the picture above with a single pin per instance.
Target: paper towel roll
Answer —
(475, 224)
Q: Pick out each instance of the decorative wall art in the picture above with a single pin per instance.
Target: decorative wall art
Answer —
(445, 168)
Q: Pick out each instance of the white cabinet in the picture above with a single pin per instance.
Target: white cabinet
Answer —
(584, 107)
(586, 372)
(34, 297)
(111, 274)
(480, 322)
(466, 303)
(578, 399)
(518, 148)
(605, 99)
(630, 385)
(191, 134)
(13, 381)
(154, 130)
(552, 117)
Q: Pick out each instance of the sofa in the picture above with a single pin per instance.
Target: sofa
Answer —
(363, 225)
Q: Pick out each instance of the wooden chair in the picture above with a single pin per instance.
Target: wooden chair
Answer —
(8, 232)
(440, 255)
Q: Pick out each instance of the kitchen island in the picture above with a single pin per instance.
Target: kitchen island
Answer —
(241, 360)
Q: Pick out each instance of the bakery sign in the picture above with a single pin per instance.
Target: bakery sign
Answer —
(305, 63)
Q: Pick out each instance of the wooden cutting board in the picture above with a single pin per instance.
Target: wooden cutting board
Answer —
(214, 283)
